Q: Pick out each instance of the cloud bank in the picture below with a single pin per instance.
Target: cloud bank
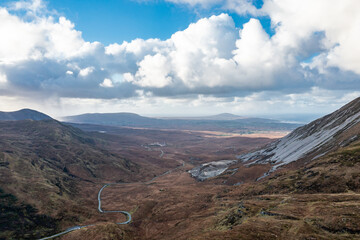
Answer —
(314, 50)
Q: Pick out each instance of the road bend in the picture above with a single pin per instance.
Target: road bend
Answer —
(127, 214)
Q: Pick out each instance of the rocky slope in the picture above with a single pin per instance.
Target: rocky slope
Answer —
(313, 140)
(211, 169)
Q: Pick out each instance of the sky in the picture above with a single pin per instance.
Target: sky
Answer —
(287, 59)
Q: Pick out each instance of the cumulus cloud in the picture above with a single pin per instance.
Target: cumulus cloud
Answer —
(86, 71)
(107, 83)
(340, 22)
(40, 38)
(313, 50)
(211, 55)
(153, 72)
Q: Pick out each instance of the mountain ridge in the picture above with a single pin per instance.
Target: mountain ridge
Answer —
(223, 122)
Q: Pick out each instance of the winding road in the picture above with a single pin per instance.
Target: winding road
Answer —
(127, 214)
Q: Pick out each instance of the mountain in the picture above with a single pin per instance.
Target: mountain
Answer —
(43, 165)
(225, 116)
(222, 122)
(113, 119)
(49, 148)
(313, 140)
(23, 114)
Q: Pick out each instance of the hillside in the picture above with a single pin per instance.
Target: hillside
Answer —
(336, 172)
(23, 114)
(44, 163)
(317, 200)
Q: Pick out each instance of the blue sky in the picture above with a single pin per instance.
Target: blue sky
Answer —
(124, 20)
(179, 57)
(113, 21)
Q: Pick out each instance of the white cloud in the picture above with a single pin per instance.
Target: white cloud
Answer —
(241, 7)
(31, 7)
(3, 78)
(153, 72)
(86, 71)
(204, 3)
(137, 47)
(43, 37)
(107, 83)
(339, 20)
(297, 21)
(44, 55)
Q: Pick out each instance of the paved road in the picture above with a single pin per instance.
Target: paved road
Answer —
(161, 154)
(127, 214)
(150, 149)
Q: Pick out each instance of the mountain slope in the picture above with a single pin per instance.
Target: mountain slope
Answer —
(319, 200)
(44, 164)
(313, 140)
(337, 172)
(23, 114)
(50, 148)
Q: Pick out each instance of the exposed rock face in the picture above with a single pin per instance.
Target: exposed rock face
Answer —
(312, 140)
(211, 169)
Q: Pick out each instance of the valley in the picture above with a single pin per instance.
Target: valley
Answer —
(111, 182)
(67, 167)
(306, 203)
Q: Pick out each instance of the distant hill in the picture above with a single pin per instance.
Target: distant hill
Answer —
(111, 119)
(225, 116)
(23, 114)
(218, 117)
(223, 122)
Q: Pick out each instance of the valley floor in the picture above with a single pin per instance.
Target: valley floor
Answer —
(288, 205)
(177, 207)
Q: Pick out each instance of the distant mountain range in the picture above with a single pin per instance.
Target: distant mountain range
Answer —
(223, 122)
(218, 117)
(23, 114)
